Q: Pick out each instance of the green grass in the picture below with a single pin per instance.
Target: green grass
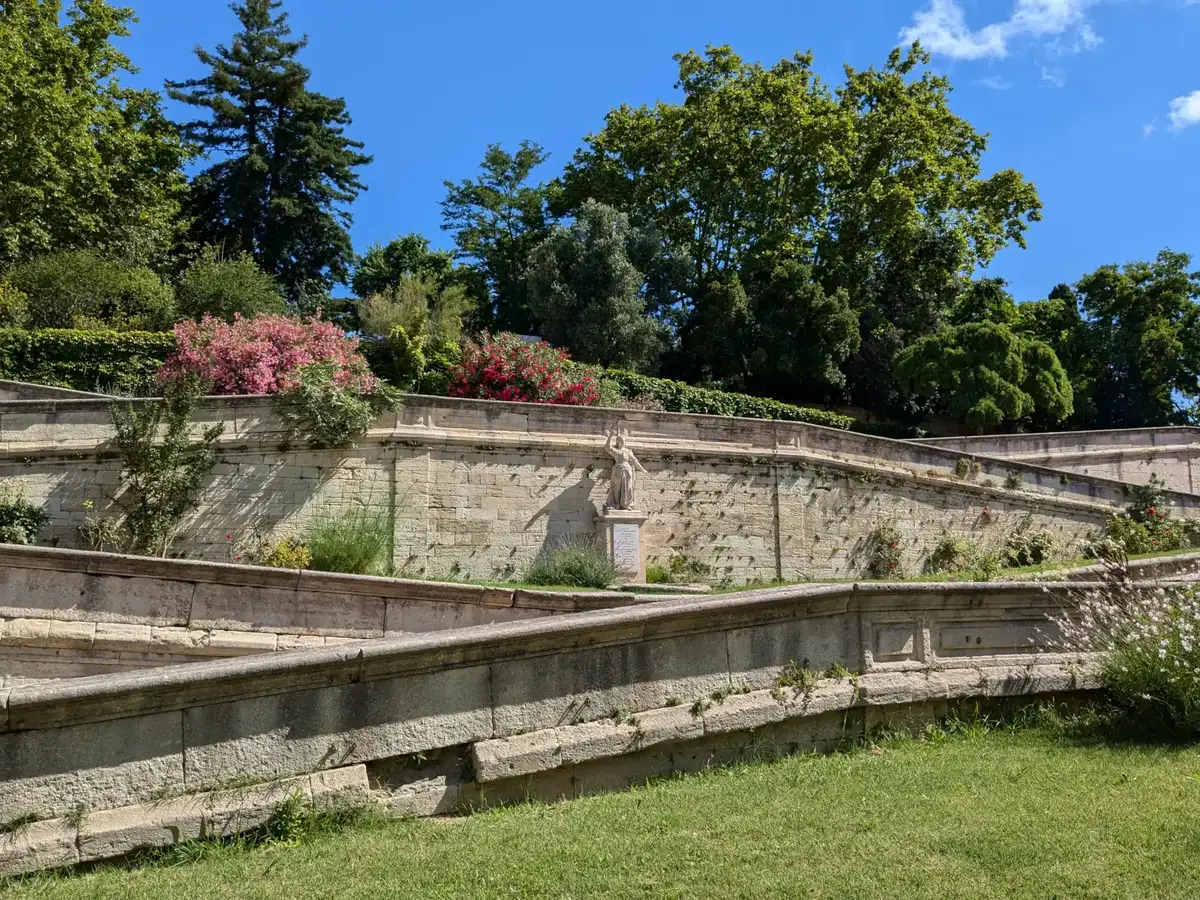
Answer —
(972, 813)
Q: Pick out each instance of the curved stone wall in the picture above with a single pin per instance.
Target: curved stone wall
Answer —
(559, 706)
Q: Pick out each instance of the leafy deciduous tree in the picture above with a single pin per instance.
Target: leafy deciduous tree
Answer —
(85, 162)
(497, 220)
(225, 286)
(986, 374)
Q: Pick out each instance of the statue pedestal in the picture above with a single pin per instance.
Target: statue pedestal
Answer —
(622, 532)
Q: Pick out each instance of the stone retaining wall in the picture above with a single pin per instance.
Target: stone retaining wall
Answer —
(1131, 455)
(67, 613)
(475, 490)
(561, 706)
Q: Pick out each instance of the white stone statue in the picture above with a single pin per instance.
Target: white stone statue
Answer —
(621, 486)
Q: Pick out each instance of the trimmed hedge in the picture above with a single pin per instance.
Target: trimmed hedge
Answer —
(676, 396)
(113, 361)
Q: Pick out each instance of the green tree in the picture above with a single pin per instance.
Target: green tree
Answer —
(82, 289)
(384, 265)
(412, 327)
(225, 286)
(984, 300)
(877, 185)
(986, 374)
(1141, 342)
(497, 219)
(588, 297)
(284, 169)
(85, 162)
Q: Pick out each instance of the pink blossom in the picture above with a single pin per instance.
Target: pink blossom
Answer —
(260, 355)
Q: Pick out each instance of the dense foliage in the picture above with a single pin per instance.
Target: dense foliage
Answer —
(225, 286)
(84, 289)
(285, 168)
(125, 362)
(84, 160)
(761, 232)
(505, 367)
(21, 522)
(261, 355)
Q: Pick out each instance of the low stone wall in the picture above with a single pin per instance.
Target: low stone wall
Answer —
(1131, 455)
(475, 490)
(68, 613)
(562, 706)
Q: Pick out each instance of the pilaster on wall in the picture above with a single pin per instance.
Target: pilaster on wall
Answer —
(411, 477)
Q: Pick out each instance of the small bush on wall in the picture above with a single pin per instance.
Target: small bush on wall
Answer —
(505, 367)
(355, 542)
(885, 552)
(162, 465)
(333, 407)
(21, 522)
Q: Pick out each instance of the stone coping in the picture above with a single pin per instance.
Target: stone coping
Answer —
(204, 572)
(426, 420)
(90, 699)
(1120, 438)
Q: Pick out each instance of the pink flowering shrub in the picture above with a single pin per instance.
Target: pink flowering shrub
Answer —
(261, 355)
(504, 367)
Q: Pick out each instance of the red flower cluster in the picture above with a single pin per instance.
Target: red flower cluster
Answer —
(505, 367)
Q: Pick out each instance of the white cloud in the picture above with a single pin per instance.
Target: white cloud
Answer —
(1148, 129)
(942, 28)
(1185, 111)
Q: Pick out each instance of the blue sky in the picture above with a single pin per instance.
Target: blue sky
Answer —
(1096, 101)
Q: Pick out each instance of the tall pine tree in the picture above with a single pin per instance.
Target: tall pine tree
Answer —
(284, 169)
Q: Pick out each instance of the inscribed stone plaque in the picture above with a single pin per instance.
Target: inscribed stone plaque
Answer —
(626, 554)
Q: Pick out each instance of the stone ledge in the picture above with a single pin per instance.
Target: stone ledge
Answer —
(542, 751)
(108, 834)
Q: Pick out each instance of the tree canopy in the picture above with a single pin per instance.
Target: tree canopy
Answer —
(282, 169)
(85, 162)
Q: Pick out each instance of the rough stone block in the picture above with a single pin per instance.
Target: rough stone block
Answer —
(25, 633)
(71, 635)
(219, 606)
(588, 684)
(284, 734)
(115, 832)
(757, 655)
(40, 845)
(338, 788)
(435, 796)
(104, 765)
(240, 643)
(121, 637)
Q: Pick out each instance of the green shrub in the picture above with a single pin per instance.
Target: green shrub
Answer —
(329, 409)
(122, 362)
(580, 563)
(82, 289)
(675, 396)
(952, 554)
(680, 569)
(1029, 546)
(1145, 526)
(14, 306)
(258, 550)
(224, 286)
(355, 542)
(20, 521)
(162, 467)
(885, 553)
(1149, 642)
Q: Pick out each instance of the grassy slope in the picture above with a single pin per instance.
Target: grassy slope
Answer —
(994, 815)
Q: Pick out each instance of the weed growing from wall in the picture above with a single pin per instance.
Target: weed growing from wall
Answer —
(21, 522)
(355, 542)
(162, 467)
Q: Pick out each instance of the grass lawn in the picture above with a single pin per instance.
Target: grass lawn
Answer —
(978, 814)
